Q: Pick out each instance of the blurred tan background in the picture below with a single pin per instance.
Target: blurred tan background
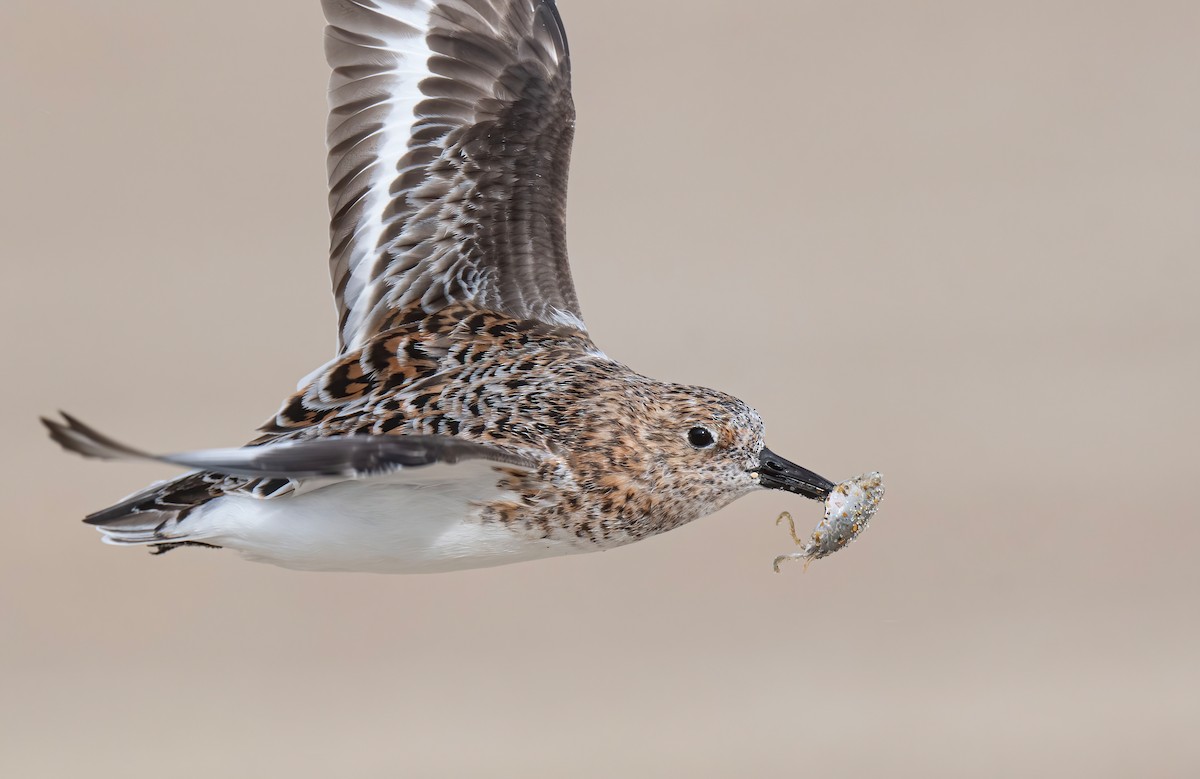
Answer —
(955, 242)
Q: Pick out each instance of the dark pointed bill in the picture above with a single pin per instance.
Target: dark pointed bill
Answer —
(776, 473)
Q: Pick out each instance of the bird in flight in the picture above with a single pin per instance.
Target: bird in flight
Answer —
(467, 419)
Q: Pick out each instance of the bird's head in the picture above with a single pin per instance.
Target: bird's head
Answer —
(703, 449)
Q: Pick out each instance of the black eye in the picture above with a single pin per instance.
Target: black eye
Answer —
(701, 437)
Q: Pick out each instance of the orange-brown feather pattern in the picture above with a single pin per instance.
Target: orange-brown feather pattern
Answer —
(602, 433)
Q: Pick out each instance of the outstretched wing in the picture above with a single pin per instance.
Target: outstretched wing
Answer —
(350, 457)
(449, 138)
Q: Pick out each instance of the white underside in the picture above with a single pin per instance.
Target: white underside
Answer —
(376, 525)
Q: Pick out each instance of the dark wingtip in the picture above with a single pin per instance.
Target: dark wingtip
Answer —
(59, 432)
(75, 436)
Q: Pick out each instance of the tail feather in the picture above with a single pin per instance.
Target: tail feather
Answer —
(151, 516)
(147, 518)
(146, 527)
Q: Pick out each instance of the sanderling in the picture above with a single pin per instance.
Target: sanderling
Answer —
(467, 420)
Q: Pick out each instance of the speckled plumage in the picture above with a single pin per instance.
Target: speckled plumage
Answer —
(468, 419)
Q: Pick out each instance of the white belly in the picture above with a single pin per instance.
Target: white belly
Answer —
(378, 526)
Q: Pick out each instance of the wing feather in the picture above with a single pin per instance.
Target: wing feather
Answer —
(449, 139)
(345, 457)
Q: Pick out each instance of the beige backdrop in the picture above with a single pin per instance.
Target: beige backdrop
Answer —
(955, 242)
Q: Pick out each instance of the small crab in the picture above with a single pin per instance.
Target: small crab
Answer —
(848, 509)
